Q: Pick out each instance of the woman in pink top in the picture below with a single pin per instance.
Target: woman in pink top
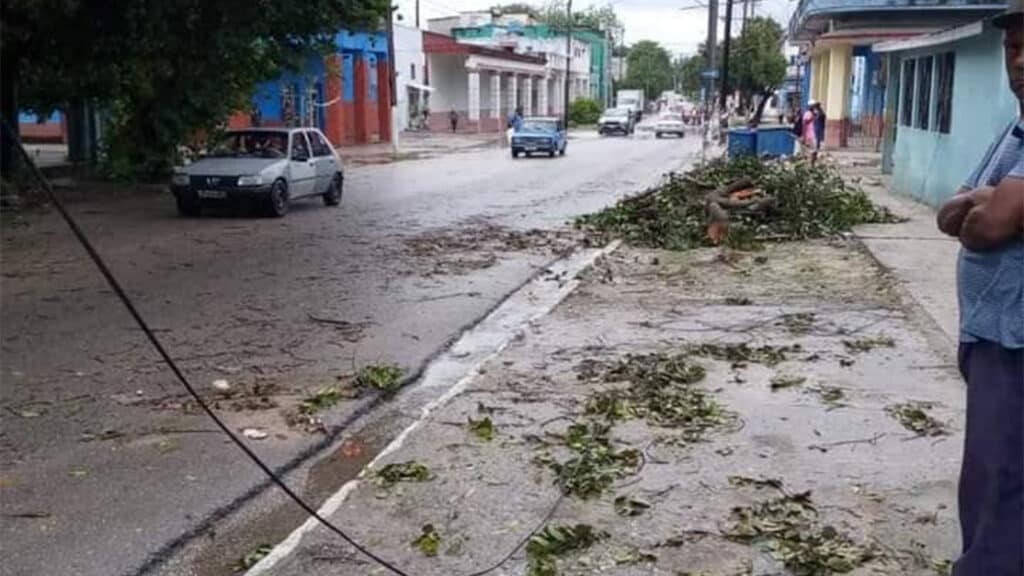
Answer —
(809, 138)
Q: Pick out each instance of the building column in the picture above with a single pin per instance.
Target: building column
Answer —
(837, 96)
(496, 100)
(542, 96)
(513, 92)
(528, 95)
(474, 95)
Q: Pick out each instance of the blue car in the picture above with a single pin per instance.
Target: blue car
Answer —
(539, 136)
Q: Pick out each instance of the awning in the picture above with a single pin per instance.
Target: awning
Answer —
(930, 40)
(418, 86)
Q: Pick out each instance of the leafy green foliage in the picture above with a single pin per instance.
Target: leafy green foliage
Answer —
(596, 463)
(547, 545)
(584, 111)
(429, 541)
(594, 17)
(687, 74)
(831, 396)
(661, 391)
(320, 400)
(758, 65)
(741, 354)
(483, 428)
(394, 473)
(811, 201)
(387, 378)
(787, 525)
(914, 416)
(799, 323)
(163, 70)
(649, 67)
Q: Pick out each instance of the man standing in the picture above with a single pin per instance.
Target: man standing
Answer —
(819, 125)
(987, 215)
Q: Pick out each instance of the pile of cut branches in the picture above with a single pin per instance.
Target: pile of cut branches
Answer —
(738, 203)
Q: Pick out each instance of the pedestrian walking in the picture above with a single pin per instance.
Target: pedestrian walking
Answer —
(453, 117)
(987, 215)
(515, 121)
(808, 133)
(819, 125)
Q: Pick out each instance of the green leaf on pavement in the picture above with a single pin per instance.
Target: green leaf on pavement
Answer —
(429, 541)
(628, 506)
(394, 473)
(483, 428)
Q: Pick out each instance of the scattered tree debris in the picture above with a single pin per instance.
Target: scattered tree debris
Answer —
(742, 481)
(742, 353)
(628, 506)
(253, 558)
(661, 391)
(320, 400)
(738, 301)
(781, 382)
(869, 343)
(394, 473)
(753, 200)
(831, 396)
(386, 378)
(787, 526)
(596, 464)
(633, 555)
(799, 323)
(483, 428)
(914, 417)
(429, 541)
(546, 546)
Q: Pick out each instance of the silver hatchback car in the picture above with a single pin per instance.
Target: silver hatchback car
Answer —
(272, 166)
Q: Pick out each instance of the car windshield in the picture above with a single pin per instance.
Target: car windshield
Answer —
(261, 144)
(616, 113)
(540, 126)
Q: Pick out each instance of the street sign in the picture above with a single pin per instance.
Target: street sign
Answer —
(709, 74)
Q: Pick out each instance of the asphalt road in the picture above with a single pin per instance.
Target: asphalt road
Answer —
(107, 468)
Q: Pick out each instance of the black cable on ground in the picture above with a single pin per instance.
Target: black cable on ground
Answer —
(155, 342)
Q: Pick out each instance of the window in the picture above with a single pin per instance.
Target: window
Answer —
(320, 146)
(924, 92)
(907, 108)
(300, 149)
(412, 71)
(946, 64)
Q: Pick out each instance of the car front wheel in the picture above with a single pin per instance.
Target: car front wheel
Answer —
(277, 199)
(333, 195)
(189, 204)
(515, 153)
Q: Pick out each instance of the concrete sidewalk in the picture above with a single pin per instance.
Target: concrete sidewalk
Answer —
(922, 259)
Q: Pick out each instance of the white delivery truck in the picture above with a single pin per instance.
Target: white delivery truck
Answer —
(632, 99)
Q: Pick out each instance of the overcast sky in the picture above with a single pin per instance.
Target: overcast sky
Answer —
(663, 21)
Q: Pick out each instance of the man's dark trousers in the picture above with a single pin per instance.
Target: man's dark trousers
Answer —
(992, 477)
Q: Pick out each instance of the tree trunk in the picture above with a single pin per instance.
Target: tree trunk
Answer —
(9, 158)
(756, 120)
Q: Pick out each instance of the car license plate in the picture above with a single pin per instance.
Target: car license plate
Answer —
(213, 194)
(530, 148)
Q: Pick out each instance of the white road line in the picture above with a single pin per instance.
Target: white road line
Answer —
(526, 305)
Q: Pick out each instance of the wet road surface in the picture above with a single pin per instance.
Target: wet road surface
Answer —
(106, 460)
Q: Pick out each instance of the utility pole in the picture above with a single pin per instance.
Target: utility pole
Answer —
(568, 62)
(724, 94)
(417, 14)
(711, 110)
(393, 99)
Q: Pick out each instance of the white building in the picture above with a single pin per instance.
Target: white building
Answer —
(483, 85)
(412, 91)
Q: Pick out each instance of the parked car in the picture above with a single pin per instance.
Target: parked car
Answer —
(616, 121)
(670, 125)
(271, 166)
(539, 135)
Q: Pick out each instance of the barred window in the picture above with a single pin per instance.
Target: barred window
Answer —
(924, 92)
(946, 64)
(907, 105)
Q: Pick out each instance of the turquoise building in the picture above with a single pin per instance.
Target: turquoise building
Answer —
(948, 99)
